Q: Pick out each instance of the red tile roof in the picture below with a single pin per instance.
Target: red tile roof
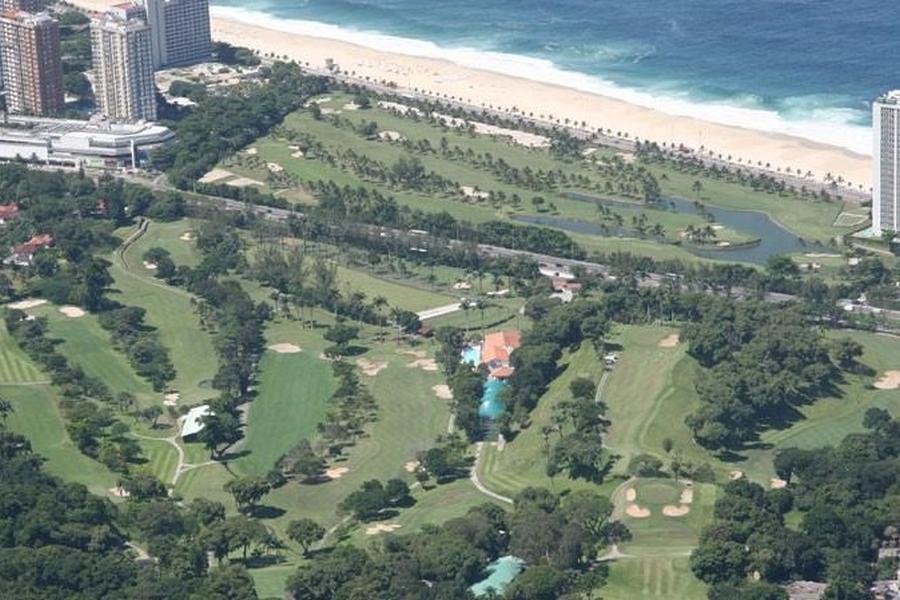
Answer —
(8, 211)
(499, 345)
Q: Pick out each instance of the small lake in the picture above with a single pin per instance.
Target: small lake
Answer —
(774, 239)
(501, 573)
(491, 406)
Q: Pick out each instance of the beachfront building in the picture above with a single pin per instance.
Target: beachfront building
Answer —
(123, 64)
(886, 161)
(31, 63)
(180, 32)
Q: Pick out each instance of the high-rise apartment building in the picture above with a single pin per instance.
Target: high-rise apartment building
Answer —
(30, 63)
(32, 6)
(886, 161)
(180, 30)
(123, 64)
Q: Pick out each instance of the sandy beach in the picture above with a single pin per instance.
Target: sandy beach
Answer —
(533, 98)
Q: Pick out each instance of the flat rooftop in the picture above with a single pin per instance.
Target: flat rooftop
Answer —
(891, 97)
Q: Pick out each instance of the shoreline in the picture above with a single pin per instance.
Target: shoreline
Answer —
(442, 79)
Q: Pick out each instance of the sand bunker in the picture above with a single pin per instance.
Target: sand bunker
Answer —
(371, 367)
(889, 381)
(150, 266)
(243, 182)
(777, 484)
(416, 353)
(630, 494)
(216, 175)
(297, 154)
(442, 391)
(391, 136)
(462, 285)
(426, 364)
(687, 496)
(252, 151)
(735, 475)
(381, 528)
(274, 167)
(73, 312)
(637, 512)
(285, 348)
(171, 399)
(118, 492)
(336, 472)
(187, 236)
(27, 303)
(351, 106)
(411, 466)
(470, 192)
(669, 341)
(676, 511)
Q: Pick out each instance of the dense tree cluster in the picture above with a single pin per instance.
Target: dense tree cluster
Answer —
(848, 499)
(140, 344)
(760, 363)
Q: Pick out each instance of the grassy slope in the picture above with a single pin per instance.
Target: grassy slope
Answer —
(15, 366)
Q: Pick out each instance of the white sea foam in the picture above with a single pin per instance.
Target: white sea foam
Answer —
(829, 125)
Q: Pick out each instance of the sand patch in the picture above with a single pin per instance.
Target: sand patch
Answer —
(215, 176)
(687, 496)
(336, 472)
(252, 151)
(381, 528)
(462, 285)
(27, 303)
(351, 106)
(293, 147)
(442, 391)
(391, 136)
(322, 100)
(150, 266)
(187, 236)
(411, 466)
(243, 182)
(297, 154)
(777, 484)
(630, 494)
(330, 111)
(426, 364)
(371, 367)
(285, 348)
(889, 381)
(669, 341)
(735, 475)
(637, 512)
(171, 399)
(73, 312)
(118, 492)
(274, 167)
(470, 192)
(676, 511)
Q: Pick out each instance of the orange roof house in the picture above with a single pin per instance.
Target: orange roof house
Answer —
(23, 254)
(496, 350)
(8, 212)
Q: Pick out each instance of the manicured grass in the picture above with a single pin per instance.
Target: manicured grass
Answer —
(170, 311)
(15, 366)
(656, 578)
(408, 297)
(36, 416)
(86, 344)
(294, 390)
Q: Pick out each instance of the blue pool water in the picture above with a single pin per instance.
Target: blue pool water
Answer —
(472, 355)
(501, 573)
(805, 67)
(491, 406)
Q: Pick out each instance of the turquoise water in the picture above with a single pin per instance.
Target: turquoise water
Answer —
(501, 573)
(472, 355)
(491, 407)
(807, 67)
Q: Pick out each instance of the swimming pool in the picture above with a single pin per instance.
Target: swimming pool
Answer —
(501, 573)
(491, 406)
(472, 355)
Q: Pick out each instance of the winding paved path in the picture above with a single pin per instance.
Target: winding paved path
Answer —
(476, 481)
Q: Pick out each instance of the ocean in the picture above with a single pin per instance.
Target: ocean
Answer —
(802, 67)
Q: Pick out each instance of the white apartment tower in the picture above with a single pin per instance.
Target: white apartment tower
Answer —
(886, 160)
(180, 31)
(123, 64)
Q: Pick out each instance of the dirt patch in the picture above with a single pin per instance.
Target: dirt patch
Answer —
(73, 312)
(285, 348)
(336, 472)
(669, 341)
(381, 528)
(411, 466)
(171, 399)
(442, 391)
(426, 364)
(889, 381)
(777, 484)
(27, 303)
(371, 367)
(676, 511)
(631, 494)
(187, 236)
(637, 512)
(735, 475)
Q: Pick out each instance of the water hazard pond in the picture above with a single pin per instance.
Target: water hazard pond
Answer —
(773, 238)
